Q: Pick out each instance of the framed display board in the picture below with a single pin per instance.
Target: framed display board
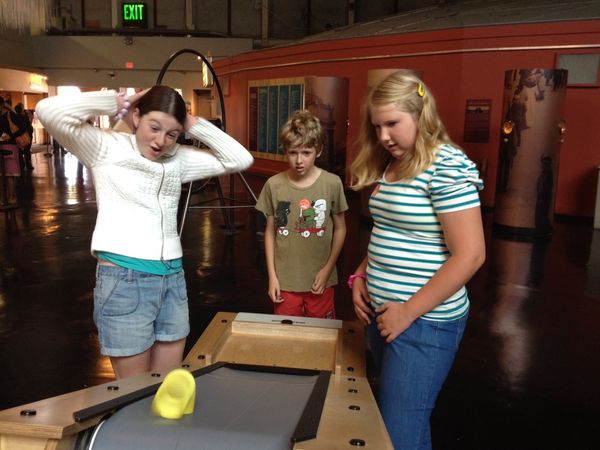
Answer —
(272, 102)
(477, 121)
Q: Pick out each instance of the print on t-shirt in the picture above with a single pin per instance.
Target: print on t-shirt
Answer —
(311, 217)
(281, 219)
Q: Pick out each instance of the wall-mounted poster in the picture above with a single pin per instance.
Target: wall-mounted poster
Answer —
(532, 132)
(271, 102)
(477, 121)
(253, 117)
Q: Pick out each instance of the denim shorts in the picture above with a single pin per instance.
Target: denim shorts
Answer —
(133, 310)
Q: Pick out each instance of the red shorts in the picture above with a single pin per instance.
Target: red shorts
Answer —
(307, 304)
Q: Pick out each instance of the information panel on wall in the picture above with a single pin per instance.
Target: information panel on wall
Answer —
(270, 103)
(477, 121)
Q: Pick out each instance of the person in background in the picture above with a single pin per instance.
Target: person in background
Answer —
(10, 129)
(25, 154)
(140, 299)
(7, 132)
(426, 243)
(305, 228)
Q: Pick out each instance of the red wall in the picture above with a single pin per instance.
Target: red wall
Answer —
(457, 64)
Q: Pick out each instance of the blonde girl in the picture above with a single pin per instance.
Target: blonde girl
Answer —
(426, 243)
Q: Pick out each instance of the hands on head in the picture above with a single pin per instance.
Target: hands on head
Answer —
(134, 99)
(190, 121)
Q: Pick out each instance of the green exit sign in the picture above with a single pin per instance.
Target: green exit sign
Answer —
(135, 15)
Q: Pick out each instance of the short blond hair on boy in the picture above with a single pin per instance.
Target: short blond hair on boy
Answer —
(303, 129)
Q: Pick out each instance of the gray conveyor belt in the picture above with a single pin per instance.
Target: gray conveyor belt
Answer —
(234, 410)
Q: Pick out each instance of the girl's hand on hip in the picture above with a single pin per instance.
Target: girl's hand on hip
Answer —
(392, 320)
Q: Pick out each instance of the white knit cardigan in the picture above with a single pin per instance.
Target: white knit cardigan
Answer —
(137, 198)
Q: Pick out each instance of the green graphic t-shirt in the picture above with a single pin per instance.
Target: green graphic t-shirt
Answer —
(303, 226)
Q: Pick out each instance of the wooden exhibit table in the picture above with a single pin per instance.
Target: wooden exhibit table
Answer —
(349, 418)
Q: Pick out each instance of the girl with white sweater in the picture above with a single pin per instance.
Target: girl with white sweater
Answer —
(140, 299)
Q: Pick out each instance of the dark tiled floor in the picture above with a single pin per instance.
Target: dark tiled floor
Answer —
(526, 376)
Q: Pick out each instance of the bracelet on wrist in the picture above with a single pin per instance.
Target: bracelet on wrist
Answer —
(354, 276)
(126, 105)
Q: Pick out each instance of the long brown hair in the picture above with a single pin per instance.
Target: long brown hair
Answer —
(164, 99)
(410, 95)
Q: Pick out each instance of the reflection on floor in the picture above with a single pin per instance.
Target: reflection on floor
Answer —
(526, 376)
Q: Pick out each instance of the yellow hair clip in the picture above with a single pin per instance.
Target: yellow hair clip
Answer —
(421, 90)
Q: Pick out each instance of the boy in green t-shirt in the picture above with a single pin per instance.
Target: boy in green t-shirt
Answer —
(305, 230)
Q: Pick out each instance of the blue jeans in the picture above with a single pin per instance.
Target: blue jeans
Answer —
(413, 369)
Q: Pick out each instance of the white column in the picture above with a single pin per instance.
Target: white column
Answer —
(265, 22)
(114, 14)
(189, 25)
